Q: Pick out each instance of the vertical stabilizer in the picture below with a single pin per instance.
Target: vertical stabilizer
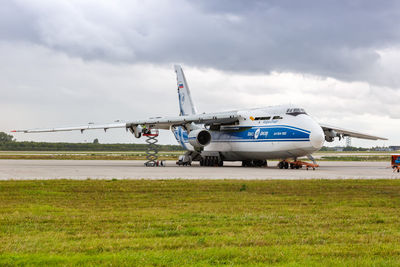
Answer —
(186, 105)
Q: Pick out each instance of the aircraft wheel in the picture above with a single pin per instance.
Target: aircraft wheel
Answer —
(259, 163)
(263, 163)
(216, 161)
(280, 165)
(220, 163)
(201, 162)
(286, 165)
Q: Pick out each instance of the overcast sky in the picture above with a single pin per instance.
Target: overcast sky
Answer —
(72, 62)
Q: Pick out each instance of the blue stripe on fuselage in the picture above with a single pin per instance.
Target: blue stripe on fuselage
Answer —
(270, 126)
(275, 133)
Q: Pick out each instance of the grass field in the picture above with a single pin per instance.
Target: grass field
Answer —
(216, 222)
(386, 158)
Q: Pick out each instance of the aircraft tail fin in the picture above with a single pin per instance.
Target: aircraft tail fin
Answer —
(186, 105)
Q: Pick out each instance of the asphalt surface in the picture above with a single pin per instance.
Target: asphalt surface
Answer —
(109, 169)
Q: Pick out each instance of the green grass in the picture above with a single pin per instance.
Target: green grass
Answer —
(216, 222)
(386, 158)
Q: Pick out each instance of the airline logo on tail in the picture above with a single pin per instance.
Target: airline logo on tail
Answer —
(185, 100)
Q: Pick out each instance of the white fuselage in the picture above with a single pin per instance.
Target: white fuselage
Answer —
(263, 133)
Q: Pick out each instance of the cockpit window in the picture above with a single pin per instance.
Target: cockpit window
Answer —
(262, 118)
(295, 111)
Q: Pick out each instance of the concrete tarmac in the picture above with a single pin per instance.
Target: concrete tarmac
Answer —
(109, 169)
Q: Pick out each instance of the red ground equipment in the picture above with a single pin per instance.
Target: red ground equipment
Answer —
(396, 163)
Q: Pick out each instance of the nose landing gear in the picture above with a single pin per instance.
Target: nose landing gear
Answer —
(297, 164)
(283, 164)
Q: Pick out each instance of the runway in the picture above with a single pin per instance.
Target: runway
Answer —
(109, 169)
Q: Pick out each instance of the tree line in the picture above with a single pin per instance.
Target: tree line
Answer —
(8, 143)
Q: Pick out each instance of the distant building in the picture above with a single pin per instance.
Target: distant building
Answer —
(381, 148)
(338, 148)
(394, 148)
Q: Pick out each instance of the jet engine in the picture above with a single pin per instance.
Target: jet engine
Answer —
(330, 135)
(199, 138)
(136, 130)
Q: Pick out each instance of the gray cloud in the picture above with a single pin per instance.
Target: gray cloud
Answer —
(71, 62)
(338, 39)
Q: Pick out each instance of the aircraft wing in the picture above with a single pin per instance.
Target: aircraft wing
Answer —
(333, 131)
(205, 118)
(151, 123)
(73, 128)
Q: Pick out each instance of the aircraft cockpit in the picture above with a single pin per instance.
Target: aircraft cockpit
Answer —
(295, 111)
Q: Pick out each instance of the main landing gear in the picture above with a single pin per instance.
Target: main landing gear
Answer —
(297, 164)
(211, 161)
(254, 163)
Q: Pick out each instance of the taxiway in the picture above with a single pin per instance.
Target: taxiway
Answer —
(109, 169)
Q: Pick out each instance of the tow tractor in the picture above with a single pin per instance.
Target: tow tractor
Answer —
(396, 163)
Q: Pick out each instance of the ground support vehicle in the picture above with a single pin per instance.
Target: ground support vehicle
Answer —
(396, 163)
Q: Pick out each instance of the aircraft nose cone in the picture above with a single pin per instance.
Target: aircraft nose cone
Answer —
(317, 137)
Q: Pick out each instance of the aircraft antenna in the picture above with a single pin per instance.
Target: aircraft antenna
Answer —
(348, 141)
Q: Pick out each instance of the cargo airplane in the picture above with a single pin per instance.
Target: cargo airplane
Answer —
(248, 135)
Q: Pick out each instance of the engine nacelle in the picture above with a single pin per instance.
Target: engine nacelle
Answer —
(330, 135)
(199, 138)
(137, 131)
